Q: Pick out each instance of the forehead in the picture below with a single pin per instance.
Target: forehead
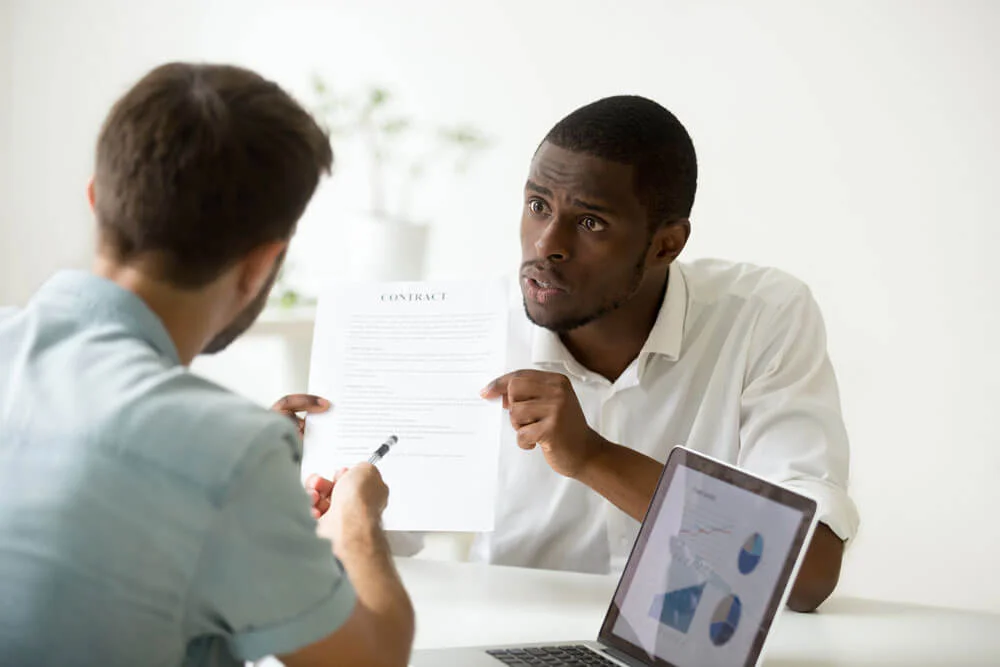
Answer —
(570, 173)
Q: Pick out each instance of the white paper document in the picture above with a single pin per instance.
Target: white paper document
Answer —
(409, 359)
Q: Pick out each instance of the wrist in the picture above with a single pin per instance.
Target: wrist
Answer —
(360, 532)
(595, 448)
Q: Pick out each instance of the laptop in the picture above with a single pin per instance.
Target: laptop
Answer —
(709, 571)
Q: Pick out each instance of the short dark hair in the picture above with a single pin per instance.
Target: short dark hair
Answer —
(639, 132)
(198, 164)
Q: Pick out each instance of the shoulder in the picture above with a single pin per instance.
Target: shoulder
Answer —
(715, 284)
(191, 428)
(716, 279)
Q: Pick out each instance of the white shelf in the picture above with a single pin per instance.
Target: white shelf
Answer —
(276, 320)
(281, 314)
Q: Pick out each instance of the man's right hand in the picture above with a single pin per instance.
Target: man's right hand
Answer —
(360, 489)
(358, 498)
(379, 632)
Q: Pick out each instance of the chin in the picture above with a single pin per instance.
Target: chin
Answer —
(545, 318)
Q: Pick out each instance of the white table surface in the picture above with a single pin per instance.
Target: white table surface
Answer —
(462, 604)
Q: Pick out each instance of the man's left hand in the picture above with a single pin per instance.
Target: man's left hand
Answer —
(320, 489)
(545, 411)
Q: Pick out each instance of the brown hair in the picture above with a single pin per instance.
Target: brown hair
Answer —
(199, 164)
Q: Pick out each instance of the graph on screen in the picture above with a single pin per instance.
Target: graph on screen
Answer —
(703, 541)
(676, 609)
(725, 620)
(750, 554)
(706, 534)
(708, 570)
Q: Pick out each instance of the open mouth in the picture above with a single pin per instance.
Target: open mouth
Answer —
(542, 291)
(542, 284)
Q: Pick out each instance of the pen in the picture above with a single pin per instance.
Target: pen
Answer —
(382, 450)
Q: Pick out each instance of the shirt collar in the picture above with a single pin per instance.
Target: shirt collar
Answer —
(665, 338)
(667, 334)
(98, 299)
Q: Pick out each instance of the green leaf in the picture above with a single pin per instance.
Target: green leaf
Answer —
(463, 136)
(378, 97)
(289, 298)
(395, 125)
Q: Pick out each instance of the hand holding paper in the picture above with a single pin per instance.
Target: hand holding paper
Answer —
(292, 404)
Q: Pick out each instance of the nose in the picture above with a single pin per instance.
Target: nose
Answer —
(553, 243)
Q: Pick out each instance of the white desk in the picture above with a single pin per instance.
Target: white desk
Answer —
(466, 604)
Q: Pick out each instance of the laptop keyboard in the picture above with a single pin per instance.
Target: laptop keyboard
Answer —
(551, 656)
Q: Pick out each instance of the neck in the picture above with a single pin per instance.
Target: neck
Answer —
(608, 345)
(189, 316)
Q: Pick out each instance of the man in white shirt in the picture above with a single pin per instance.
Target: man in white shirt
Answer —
(625, 353)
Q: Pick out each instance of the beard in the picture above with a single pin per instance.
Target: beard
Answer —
(610, 303)
(246, 317)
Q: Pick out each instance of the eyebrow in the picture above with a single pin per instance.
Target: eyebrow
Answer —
(535, 187)
(539, 189)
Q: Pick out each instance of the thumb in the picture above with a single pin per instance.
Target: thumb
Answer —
(496, 389)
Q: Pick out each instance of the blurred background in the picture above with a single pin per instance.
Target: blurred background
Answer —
(852, 143)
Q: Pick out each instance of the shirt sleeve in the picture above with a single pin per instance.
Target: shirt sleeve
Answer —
(266, 582)
(791, 427)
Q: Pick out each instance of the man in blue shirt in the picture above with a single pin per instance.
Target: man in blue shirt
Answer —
(148, 516)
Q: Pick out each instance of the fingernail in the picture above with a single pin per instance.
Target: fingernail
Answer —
(323, 403)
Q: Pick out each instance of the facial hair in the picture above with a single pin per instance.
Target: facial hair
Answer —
(610, 305)
(246, 317)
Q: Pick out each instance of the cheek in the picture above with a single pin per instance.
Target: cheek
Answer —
(606, 267)
(529, 235)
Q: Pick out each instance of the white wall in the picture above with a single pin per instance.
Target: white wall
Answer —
(853, 143)
(6, 70)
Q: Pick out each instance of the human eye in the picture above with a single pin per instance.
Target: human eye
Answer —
(537, 206)
(592, 224)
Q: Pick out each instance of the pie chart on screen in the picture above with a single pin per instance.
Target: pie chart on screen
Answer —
(750, 554)
(725, 620)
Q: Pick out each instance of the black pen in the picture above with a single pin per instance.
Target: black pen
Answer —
(383, 450)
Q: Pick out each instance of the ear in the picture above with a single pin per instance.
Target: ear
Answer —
(90, 193)
(259, 266)
(668, 242)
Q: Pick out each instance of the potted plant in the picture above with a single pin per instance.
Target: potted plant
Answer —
(400, 152)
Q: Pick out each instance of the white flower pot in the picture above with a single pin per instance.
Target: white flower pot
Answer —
(386, 250)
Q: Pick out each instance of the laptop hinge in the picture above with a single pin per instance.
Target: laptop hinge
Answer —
(621, 656)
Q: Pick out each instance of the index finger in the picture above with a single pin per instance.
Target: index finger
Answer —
(499, 387)
(302, 403)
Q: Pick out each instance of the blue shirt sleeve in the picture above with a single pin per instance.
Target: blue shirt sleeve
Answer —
(265, 581)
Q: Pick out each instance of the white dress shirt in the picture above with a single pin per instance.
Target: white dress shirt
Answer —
(735, 367)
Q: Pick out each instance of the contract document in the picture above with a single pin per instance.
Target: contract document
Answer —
(409, 359)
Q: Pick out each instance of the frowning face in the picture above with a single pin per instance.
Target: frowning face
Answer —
(584, 238)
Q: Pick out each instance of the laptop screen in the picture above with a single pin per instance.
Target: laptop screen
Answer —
(709, 567)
